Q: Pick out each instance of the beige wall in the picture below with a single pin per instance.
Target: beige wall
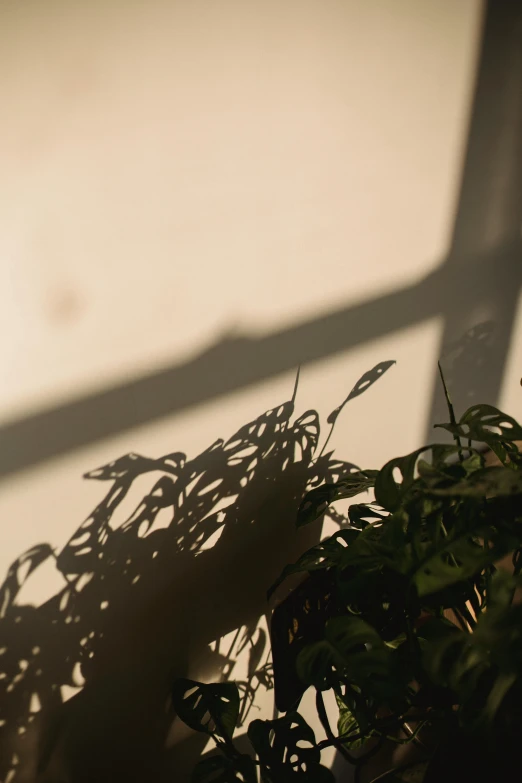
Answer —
(289, 157)
(173, 172)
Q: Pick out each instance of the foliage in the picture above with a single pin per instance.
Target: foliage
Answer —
(421, 629)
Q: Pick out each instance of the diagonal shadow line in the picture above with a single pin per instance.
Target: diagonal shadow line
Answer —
(238, 362)
(230, 365)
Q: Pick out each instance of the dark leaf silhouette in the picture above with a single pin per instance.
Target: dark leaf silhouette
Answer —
(287, 750)
(364, 383)
(213, 709)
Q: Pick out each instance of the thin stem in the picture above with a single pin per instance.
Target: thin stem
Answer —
(411, 738)
(453, 420)
(224, 743)
(325, 444)
(234, 640)
(386, 723)
(359, 761)
(413, 734)
(333, 740)
(294, 395)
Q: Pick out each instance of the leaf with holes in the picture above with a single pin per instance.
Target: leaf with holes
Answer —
(18, 573)
(213, 709)
(129, 465)
(487, 424)
(287, 750)
(306, 432)
(364, 383)
(363, 514)
(397, 478)
(389, 491)
(221, 769)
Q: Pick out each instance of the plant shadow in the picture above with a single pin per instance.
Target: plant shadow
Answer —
(153, 581)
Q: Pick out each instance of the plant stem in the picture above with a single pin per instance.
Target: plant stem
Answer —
(332, 739)
(296, 384)
(378, 728)
(453, 420)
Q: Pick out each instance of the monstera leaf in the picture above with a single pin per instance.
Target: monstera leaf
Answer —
(287, 751)
(487, 424)
(212, 709)
(389, 489)
(404, 612)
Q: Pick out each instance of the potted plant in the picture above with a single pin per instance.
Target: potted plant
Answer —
(407, 615)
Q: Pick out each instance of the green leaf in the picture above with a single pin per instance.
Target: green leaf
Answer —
(363, 514)
(382, 546)
(502, 589)
(457, 558)
(487, 424)
(443, 468)
(486, 482)
(320, 665)
(351, 649)
(212, 709)
(221, 769)
(389, 491)
(347, 724)
(479, 667)
(325, 555)
(472, 463)
(317, 500)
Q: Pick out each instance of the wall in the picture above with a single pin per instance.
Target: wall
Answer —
(196, 198)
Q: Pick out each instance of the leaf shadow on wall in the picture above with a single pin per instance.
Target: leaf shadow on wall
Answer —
(143, 599)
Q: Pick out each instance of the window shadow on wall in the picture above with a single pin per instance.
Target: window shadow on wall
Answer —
(474, 290)
(139, 598)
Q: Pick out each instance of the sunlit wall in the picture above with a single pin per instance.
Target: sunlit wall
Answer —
(173, 173)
